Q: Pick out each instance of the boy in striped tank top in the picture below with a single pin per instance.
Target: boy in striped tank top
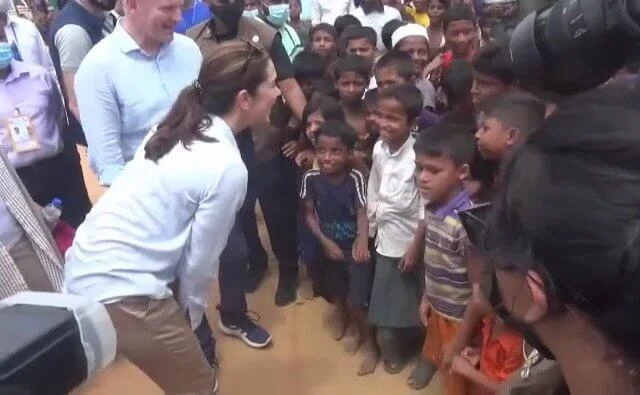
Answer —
(443, 154)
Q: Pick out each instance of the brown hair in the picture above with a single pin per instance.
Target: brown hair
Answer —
(226, 70)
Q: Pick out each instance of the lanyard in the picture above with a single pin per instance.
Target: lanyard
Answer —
(14, 45)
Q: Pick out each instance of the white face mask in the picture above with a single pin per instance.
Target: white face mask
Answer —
(251, 13)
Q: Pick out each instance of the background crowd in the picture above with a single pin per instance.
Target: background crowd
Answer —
(442, 210)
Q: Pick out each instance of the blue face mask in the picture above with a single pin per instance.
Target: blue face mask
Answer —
(6, 55)
(251, 13)
(278, 14)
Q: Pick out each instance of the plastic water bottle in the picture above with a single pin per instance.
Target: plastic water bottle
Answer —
(52, 212)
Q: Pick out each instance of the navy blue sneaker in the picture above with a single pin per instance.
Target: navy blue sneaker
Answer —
(244, 328)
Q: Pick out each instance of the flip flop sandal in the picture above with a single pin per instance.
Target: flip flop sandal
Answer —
(421, 375)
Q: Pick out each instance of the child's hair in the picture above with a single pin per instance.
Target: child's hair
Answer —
(458, 12)
(323, 27)
(407, 95)
(352, 63)
(327, 106)
(339, 129)
(487, 21)
(519, 110)
(495, 60)
(446, 140)
(309, 65)
(354, 32)
(344, 21)
(325, 86)
(371, 97)
(387, 31)
(400, 62)
(457, 82)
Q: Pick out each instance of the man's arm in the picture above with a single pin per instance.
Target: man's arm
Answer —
(73, 44)
(101, 120)
(42, 52)
(286, 81)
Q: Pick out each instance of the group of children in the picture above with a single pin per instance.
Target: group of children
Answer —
(394, 147)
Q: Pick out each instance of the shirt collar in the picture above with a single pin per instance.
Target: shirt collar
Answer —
(126, 42)
(404, 147)
(18, 69)
(459, 202)
(219, 128)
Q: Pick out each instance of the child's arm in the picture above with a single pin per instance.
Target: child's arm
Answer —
(331, 248)
(463, 367)
(372, 194)
(361, 245)
(471, 321)
(408, 261)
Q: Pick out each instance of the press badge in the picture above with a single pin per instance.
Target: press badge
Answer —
(22, 134)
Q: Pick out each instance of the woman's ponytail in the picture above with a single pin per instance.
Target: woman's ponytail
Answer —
(185, 122)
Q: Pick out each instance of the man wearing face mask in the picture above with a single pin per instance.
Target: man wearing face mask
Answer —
(276, 14)
(272, 181)
(25, 39)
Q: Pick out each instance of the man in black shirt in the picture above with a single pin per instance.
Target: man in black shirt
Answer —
(272, 181)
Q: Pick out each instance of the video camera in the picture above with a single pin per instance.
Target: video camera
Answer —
(574, 45)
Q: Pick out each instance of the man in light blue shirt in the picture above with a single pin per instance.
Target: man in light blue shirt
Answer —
(128, 82)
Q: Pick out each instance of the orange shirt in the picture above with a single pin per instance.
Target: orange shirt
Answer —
(500, 356)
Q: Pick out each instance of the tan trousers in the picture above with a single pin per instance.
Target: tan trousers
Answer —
(154, 335)
(30, 267)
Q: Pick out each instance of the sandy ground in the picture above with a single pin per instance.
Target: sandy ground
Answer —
(303, 360)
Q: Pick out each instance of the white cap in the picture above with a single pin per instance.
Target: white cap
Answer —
(412, 29)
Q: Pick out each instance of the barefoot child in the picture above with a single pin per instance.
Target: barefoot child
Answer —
(334, 206)
(395, 209)
(351, 74)
(443, 154)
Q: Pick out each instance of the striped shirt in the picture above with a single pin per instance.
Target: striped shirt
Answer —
(19, 204)
(447, 286)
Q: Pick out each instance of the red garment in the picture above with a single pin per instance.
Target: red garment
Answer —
(447, 58)
(501, 356)
(63, 234)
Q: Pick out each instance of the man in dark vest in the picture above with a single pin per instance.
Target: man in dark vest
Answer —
(79, 26)
(272, 182)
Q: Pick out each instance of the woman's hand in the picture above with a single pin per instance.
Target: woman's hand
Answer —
(305, 158)
(332, 250)
(361, 250)
(450, 351)
(471, 354)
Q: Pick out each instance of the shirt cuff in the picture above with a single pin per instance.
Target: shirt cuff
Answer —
(108, 174)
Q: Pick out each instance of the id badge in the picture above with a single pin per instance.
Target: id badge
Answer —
(22, 134)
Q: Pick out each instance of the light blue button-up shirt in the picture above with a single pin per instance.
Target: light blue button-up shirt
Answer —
(122, 92)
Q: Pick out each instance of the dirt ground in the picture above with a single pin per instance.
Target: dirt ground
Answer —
(303, 360)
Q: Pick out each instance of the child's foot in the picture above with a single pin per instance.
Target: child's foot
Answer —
(392, 360)
(352, 344)
(422, 374)
(371, 359)
(307, 292)
(337, 326)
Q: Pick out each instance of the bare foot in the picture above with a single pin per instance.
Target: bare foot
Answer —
(306, 291)
(352, 344)
(337, 326)
(371, 358)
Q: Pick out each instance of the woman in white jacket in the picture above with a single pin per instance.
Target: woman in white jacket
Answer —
(168, 216)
